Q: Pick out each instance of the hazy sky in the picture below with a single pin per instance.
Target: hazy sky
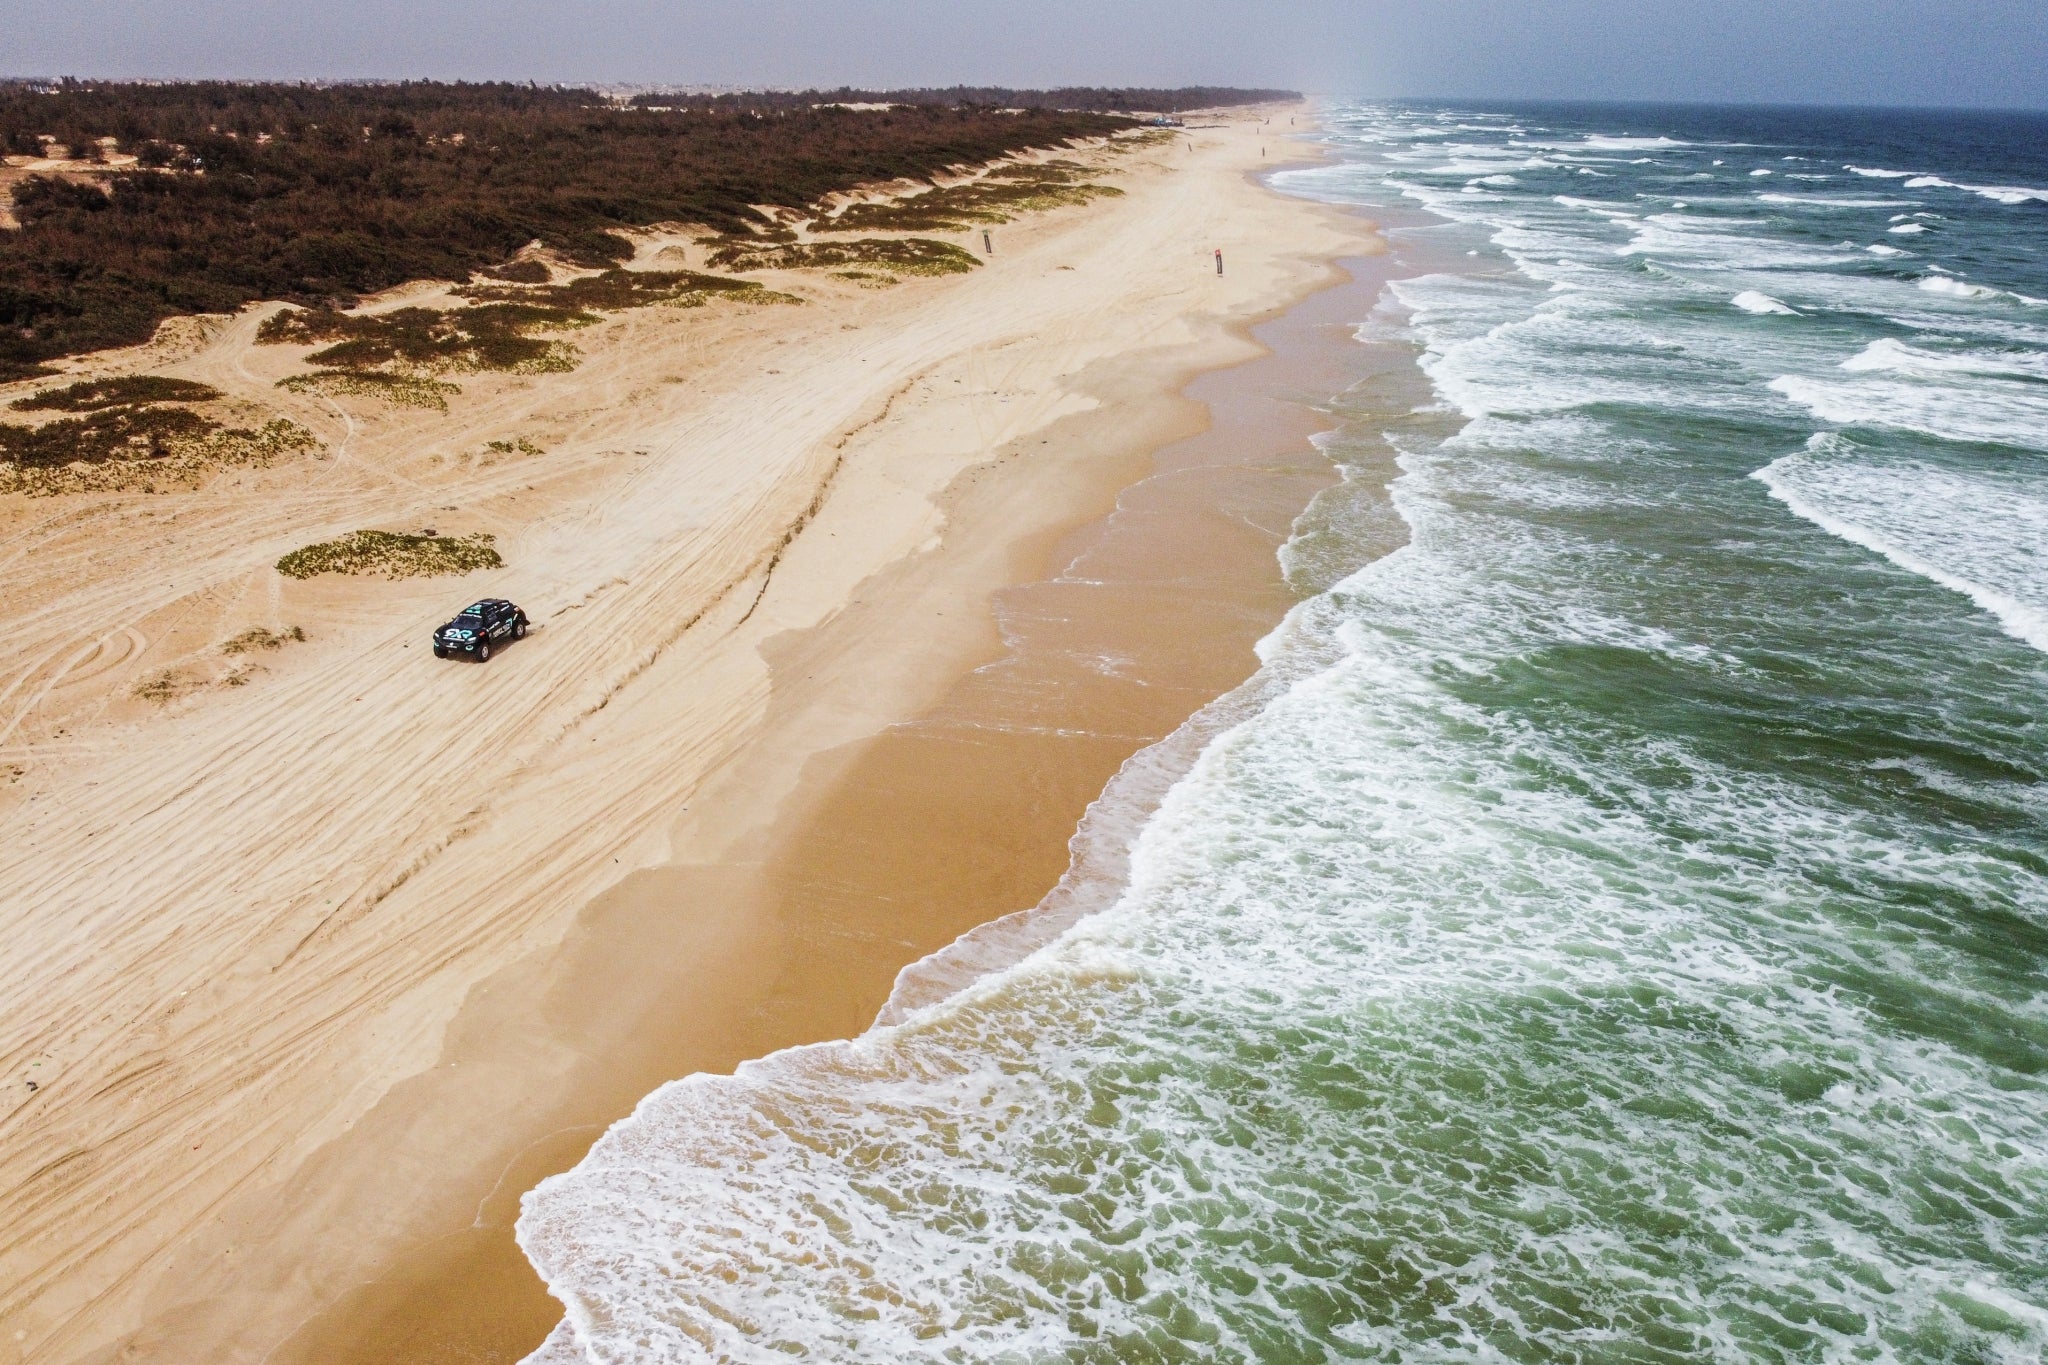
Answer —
(1981, 52)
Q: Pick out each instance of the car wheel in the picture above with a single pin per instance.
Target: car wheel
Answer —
(483, 651)
(439, 652)
(519, 630)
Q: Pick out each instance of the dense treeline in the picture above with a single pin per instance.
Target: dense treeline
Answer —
(1087, 99)
(317, 194)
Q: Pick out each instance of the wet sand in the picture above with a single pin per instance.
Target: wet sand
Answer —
(1135, 603)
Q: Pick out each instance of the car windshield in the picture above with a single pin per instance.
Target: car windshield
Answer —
(473, 619)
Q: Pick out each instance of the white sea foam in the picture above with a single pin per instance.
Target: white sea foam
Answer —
(1913, 180)
(1609, 144)
(1907, 228)
(1834, 201)
(2004, 194)
(1983, 537)
(1718, 242)
(1954, 407)
(1945, 283)
(1891, 354)
(1750, 301)
(1599, 207)
(1958, 289)
(1880, 249)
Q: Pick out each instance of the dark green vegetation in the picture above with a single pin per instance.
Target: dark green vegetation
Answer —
(904, 255)
(147, 448)
(1096, 99)
(131, 432)
(993, 198)
(494, 336)
(93, 395)
(317, 195)
(136, 432)
(394, 555)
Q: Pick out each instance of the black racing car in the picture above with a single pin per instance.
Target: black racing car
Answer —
(476, 628)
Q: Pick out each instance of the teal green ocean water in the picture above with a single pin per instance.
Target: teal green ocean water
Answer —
(1614, 926)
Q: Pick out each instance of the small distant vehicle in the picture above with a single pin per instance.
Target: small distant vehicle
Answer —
(478, 627)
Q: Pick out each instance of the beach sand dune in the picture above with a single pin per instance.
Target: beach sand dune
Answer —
(240, 920)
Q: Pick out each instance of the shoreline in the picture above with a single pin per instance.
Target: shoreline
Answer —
(992, 779)
(357, 1158)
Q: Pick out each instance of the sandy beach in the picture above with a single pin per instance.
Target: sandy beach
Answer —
(843, 613)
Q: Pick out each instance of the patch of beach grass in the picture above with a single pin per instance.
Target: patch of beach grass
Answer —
(1138, 140)
(392, 554)
(996, 197)
(614, 291)
(900, 255)
(399, 390)
(258, 638)
(164, 687)
(519, 446)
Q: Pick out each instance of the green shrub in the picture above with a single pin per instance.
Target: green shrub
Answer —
(148, 448)
(429, 340)
(123, 433)
(393, 555)
(90, 395)
(520, 272)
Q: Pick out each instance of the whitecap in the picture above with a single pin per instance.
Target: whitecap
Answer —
(1877, 174)
(1826, 201)
(1751, 301)
(1908, 228)
(1891, 354)
(1948, 284)
(1605, 210)
(1959, 398)
(2009, 195)
(1986, 539)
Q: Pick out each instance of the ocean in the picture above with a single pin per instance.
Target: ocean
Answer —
(1613, 926)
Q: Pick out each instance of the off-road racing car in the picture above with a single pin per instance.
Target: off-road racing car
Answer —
(480, 627)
